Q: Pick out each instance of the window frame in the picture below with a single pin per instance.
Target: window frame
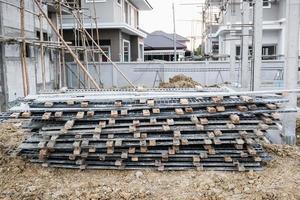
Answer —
(129, 50)
(269, 56)
(264, 1)
(141, 53)
(108, 54)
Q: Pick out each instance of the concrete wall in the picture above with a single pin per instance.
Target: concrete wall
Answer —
(150, 74)
(275, 12)
(116, 37)
(108, 12)
(10, 63)
(2, 70)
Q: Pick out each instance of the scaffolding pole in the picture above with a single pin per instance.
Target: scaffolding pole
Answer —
(23, 49)
(291, 67)
(67, 46)
(245, 46)
(257, 45)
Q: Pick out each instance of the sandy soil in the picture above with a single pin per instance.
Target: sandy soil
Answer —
(179, 81)
(22, 180)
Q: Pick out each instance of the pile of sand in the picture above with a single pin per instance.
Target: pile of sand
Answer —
(22, 180)
(298, 131)
(180, 81)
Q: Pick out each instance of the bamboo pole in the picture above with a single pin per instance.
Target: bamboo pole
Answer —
(66, 45)
(42, 50)
(63, 63)
(101, 50)
(23, 49)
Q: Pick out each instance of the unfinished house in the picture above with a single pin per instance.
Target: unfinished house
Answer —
(223, 28)
(115, 25)
(27, 65)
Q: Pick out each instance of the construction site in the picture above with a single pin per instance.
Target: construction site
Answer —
(84, 116)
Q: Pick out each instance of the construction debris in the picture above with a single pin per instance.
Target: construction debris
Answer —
(188, 132)
(180, 81)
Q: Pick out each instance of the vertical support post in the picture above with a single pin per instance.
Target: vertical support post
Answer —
(63, 82)
(232, 61)
(3, 85)
(291, 67)
(23, 49)
(174, 34)
(257, 46)
(66, 45)
(42, 50)
(245, 46)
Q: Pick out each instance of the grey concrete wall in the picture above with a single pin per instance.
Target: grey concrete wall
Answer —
(150, 74)
(113, 35)
(2, 70)
(105, 10)
(134, 48)
(11, 63)
(116, 37)
(272, 14)
(276, 12)
(108, 12)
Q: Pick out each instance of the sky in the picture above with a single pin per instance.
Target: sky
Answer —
(161, 18)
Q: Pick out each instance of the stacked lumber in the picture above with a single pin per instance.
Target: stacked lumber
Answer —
(129, 131)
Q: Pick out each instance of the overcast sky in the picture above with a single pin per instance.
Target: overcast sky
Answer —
(161, 17)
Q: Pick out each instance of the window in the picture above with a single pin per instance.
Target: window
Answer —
(141, 51)
(74, 4)
(269, 52)
(126, 51)
(106, 50)
(215, 47)
(45, 36)
(126, 12)
(27, 50)
(266, 3)
(132, 14)
(239, 52)
(129, 15)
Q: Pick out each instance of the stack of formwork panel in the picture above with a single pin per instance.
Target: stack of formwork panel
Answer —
(165, 129)
(4, 116)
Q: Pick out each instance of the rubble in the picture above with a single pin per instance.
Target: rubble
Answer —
(180, 81)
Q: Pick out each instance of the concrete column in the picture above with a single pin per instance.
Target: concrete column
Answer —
(291, 67)
(257, 46)
(232, 61)
(3, 80)
(245, 45)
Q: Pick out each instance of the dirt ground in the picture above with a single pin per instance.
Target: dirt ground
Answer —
(22, 180)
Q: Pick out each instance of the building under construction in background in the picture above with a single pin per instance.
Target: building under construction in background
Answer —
(29, 51)
(42, 36)
(223, 28)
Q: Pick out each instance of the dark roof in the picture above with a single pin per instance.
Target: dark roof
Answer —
(171, 36)
(164, 41)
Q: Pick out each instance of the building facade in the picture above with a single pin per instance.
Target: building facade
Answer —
(11, 75)
(117, 22)
(227, 28)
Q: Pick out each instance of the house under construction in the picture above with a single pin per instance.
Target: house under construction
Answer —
(40, 61)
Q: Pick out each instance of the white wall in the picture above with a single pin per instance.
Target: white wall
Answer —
(212, 72)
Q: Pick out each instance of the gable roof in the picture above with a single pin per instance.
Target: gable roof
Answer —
(142, 4)
(171, 36)
(162, 41)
